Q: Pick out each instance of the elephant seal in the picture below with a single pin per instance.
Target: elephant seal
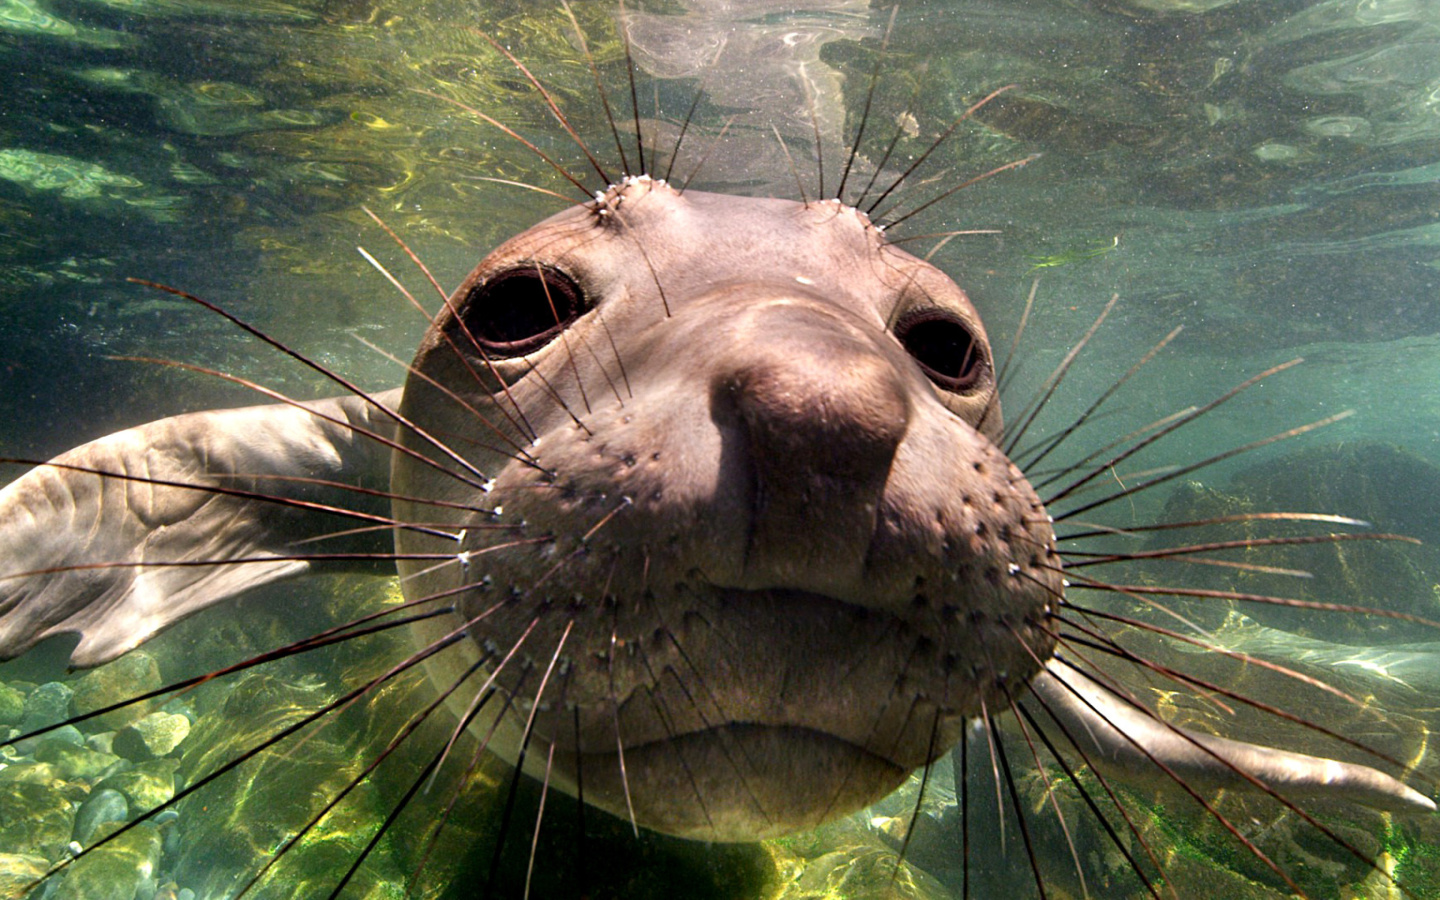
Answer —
(709, 493)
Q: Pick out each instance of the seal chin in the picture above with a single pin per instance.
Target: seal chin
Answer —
(740, 781)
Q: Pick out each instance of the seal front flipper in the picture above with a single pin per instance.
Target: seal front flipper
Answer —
(1122, 740)
(191, 491)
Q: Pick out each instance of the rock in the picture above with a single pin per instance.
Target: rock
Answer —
(12, 706)
(115, 682)
(153, 736)
(47, 704)
(147, 785)
(18, 871)
(30, 773)
(75, 762)
(122, 869)
(35, 819)
(65, 734)
(102, 808)
(104, 742)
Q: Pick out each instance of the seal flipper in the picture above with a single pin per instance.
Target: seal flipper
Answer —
(66, 515)
(1116, 737)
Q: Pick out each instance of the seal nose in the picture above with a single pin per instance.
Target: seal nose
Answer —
(821, 410)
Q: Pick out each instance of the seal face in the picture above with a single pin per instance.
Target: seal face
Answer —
(743, 525)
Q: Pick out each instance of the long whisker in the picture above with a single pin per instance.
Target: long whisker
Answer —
(1049, 791)
(1056, 378)
(296, 355)
(944, 136)
(1019, 810)
(554, 108)
(865, 110)
(490, 120)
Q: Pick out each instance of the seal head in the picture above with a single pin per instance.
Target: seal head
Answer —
(744, 491)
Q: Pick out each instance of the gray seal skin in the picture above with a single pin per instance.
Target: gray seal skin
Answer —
(712, 485)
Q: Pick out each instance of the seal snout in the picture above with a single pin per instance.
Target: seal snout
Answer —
(817, 411)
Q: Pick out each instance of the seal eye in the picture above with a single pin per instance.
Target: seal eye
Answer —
(944, 346)
(520, 310)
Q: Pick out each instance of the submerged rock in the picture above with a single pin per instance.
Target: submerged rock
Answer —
(154, 736)
(12, 705)
(36, 817)
(47, 704)
(75, 762)
(147, 785)
(18, 871)
(115, 682)
(122, 869)
(102, 808)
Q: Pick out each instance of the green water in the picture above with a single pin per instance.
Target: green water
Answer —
(1266, 174)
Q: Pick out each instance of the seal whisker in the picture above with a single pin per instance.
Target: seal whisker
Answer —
(1125, 696)
(999, 748)
(919, 798)
(1173, 472)
(600, 91)
(411, 254)
(896, 222)
(1109, 645)
(258, 496)
(336, 635)
(719, 137)
(520, 765)
(539, 817)
(790, 160)
(615, 721)
(1170, 773)
(240, 759)
(367, 433)
(865, 109)
(634, 100)
(296, 355)
(895, 137)
(518, 453)
(554, 108)
(1101, 559)
(490, 120)
(935, 145)
(1171, 427)
(1045, 478)
(1044, 448)
(1049, 790)
(1100, 777)
(684, 127)
(406, 730)
(1027, 416)
(1174, 591)
(1325, 518)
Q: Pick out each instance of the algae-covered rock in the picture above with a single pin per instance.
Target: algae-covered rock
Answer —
(153, 736)
(124, 868)
(75, 762)
(47, 704)
(18, 871)
(147, 785)
(100, 814)
(12, 705)
(115, 682)
(35, 818)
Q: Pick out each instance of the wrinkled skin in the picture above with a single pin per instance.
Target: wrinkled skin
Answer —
(737, 520)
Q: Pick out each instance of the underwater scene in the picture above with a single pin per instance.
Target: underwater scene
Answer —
(1204, 240)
